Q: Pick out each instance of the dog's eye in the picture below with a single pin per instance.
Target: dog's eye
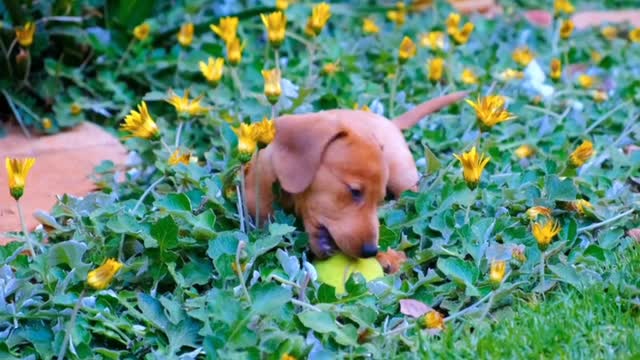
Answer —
(356, 194)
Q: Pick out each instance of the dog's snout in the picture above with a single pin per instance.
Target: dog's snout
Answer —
(369, 250)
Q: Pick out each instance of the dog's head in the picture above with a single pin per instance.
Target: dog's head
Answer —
(337, 179)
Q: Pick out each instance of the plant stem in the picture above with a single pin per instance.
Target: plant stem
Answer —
(178, 133)
(146, 192)
(606, 116)
(240, 209)
(124, 57)
(605, 222)
(542, 265)
(6, 57)
(312, 52)
(17, 115)
(394, 88)
(237, 82)
(257, 198)
(469, 308)
(28, 71)
(25, 232)
(274, 112)
(72, 321)
(304, 304)
(240, 273)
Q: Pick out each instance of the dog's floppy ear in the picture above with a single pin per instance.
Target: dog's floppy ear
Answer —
(299, 146)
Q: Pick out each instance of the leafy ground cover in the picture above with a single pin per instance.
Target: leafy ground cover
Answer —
(197, 280)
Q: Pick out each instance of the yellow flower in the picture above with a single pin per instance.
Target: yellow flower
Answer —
(47, 123)
(433, 40)
(582, 206)
(282, 5)
(586, 81)
(75, 109)
(523, 55)
(510, 74)
(491, 110)
(525, 151)
(609, 32)
(364, 107)
(212, 70)
(472, 166)
(545, 232)
(634, 35)
(272, 89)
(185, 35)
(596, 57)
(18, 169)
(320, 14)
(287, 357)
(264, 131)
(24, 34)
(101, 277)
(407, 50)
(185, 106)
(330, 68)
(599, 96)
(434, 320)
(140, 124)
(398, 16)
(497, 270)
(461, 37)
(536, 211)
(247, 143)
(436, 69)
(179, 157)
(276, 24)
(563, 6)
(581, 154)
(566, 28)
(227, 29)
(141, 32)
(369, 26)
(468, 77)
(234, 51)
(556, 69)
(452, 23)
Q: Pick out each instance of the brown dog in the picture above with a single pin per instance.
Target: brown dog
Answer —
(334, 169)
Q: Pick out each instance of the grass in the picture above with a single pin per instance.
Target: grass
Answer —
(599, 322)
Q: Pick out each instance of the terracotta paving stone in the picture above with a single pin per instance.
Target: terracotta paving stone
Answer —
(64, 163)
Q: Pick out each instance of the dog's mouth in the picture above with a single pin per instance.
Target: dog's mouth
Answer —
(326, 242)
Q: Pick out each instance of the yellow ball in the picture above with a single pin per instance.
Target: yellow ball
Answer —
(335, 271)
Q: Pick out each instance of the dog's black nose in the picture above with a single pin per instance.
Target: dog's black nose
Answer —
(369, 250)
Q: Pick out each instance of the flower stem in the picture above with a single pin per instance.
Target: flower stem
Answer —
(28, 71)
(469, 308)
(312, 52)
(124, 57)
(146, 192)
(70, 325)
(542, 256)
(25, 232)
(394, 89)
(178, 133)
(605, 222)
(237, 82)
(240, 209)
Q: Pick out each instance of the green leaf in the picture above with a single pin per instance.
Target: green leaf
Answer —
(69, 253)
(324, 323)
(560, 190)
(152, 310)
(460, 271)
(175, 203)
(566, 274)
(267, 298)
(433, 164)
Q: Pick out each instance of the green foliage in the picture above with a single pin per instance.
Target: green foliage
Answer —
(200, 281)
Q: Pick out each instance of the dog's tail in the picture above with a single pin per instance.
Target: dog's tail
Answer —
(413, 116)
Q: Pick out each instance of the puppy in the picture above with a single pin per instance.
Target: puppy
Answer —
(334, 168)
